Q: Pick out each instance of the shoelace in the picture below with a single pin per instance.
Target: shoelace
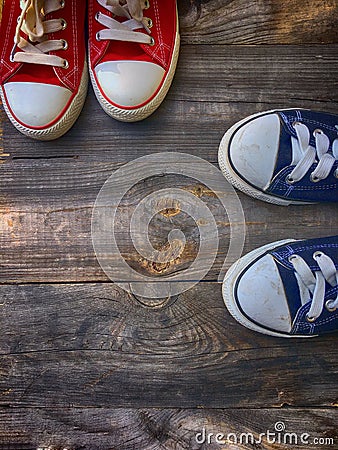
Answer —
(313, 285)
(32, 22)
(132, 10)
(304, 155)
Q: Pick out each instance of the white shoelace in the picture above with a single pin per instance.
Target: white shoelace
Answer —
(32, 22)
(304, 155)
(313, 285)
(132, 10)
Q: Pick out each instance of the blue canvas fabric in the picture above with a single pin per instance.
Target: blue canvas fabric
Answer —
(305, 189)
(327, 321)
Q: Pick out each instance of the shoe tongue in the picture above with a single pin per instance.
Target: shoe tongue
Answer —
(291, 289)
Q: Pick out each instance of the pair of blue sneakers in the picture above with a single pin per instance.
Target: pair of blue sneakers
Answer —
(287, 288)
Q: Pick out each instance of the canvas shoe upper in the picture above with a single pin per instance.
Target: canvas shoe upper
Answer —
(43, 73)
(283, 156)
(133, 51)
(287, 288)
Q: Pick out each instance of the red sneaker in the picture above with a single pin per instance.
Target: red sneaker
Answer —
(133, 51)
(44, 75)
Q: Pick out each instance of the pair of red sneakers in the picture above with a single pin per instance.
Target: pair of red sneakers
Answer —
(133, 49)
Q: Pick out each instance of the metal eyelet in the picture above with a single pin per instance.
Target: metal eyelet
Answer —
(146, 4)
(327, 306)
(317, 131)
(97, 16)
(98, 37)
(62, 3)
(63, 24)
(290, 258)
(64, 44)
(65, 64)
(152, 41)
(310, 319)
(296, 122)
(317, 254)
(335, 173)
(149, 22)
(289, 180)
(314, 179)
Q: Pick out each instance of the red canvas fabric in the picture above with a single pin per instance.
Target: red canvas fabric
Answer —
(163, 14)
(73, 13)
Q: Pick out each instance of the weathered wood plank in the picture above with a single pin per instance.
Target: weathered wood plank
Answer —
(200, 106)
(170, 429)
(93, 345)
(257, 22)
(46, 225)
(72, 355)
(48, 189)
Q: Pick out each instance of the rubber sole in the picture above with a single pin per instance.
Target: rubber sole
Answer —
(228, 290)
(234, 178)
(137, 114)
(66, 121)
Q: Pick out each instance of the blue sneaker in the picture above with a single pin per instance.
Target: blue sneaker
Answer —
(283, 156)
(287, 288)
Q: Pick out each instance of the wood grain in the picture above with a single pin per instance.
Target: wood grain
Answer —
(200, 106)
(258, 22)
(86, 366)
(46, 230)
(154, 429)
(90, 345)
(48, 189)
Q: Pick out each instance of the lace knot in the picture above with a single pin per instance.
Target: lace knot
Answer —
(30, 20)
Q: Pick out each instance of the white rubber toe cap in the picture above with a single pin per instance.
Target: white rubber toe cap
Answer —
(129, 83)
(36, 104)
(254, 149)
(261, 295)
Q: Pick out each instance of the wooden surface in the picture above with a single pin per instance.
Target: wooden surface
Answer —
(84, 365)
